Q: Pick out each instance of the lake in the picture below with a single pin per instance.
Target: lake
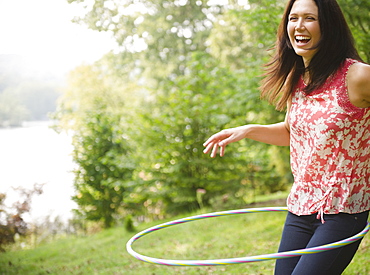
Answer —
(35, 153)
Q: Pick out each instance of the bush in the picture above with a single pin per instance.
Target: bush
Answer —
(11, 218)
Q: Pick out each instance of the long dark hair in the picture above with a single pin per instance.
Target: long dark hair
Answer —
(286, 67)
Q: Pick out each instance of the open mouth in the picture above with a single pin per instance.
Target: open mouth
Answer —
(300, 39)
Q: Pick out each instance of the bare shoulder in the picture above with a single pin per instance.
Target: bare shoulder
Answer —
(358, 80)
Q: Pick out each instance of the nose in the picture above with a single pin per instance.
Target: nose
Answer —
(300, 25)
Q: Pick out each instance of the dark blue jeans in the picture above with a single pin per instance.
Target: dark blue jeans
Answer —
(308, 231)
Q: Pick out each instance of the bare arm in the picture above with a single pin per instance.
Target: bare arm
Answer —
(358, 80)
(276, 134)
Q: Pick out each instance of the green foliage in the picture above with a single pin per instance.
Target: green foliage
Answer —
(104, 167)
(129, 224)
(358, 14)
(92, 109)
(187, 110)
(165, 32)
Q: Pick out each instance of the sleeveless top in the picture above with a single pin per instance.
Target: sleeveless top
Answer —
(330, 150)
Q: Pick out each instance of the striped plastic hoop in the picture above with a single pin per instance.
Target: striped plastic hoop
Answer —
(230, 261)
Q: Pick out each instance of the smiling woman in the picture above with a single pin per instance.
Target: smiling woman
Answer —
(314, 61)
(43, 32)
(304, 29)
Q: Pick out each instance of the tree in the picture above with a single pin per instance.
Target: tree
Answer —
(185, 112)
(92, 109)
(104, 169)
(160, 33)
(358, 13)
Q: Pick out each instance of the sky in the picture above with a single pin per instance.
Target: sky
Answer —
(42, 31)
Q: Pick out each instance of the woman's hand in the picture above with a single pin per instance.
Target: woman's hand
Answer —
(276, 134)
(223, 138)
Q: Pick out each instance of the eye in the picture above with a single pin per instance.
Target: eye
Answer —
(293, 18)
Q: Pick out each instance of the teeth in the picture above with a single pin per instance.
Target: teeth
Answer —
(302, 37)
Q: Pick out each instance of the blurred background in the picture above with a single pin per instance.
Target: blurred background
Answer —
(39, 46)
(105, 105)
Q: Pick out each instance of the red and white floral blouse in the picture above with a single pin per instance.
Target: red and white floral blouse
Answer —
(330, 150)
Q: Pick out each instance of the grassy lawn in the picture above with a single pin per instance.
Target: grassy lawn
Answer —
(214, 238)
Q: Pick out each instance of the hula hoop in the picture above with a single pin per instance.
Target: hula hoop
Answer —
(230, 261)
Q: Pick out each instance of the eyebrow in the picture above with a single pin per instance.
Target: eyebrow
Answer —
(308, 13)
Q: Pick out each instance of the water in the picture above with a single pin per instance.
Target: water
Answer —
(37, 154)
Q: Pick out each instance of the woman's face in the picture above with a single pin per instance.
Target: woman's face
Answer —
(304, 28)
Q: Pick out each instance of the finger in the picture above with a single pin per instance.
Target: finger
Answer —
(205, 144)
(216, 137)
(222, 150)
(208, 148)
(214, 150)
(226, 141)
(210, 140)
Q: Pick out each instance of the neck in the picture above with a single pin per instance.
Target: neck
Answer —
(306, 77)
(306, 62)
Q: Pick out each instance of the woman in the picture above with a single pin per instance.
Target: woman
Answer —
(318, 75)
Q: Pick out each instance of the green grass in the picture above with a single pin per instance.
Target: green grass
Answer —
(222, 237)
